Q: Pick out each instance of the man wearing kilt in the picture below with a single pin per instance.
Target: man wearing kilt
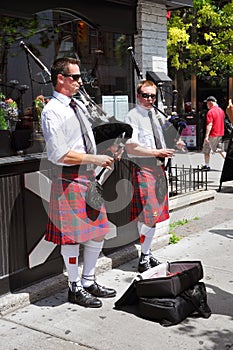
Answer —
(71, 147)
(147, 150)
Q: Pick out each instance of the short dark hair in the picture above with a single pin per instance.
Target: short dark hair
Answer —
(60, 66)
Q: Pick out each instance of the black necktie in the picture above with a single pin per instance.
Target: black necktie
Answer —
(155, 132)
(157, 139)
(86, 138)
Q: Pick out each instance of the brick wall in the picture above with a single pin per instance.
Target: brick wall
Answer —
(151, 39)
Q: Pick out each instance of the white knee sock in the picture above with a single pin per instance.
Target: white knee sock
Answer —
(91, 253)
(70, 253)
(146, 237)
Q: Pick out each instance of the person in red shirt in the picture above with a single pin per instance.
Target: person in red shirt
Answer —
(214, 130)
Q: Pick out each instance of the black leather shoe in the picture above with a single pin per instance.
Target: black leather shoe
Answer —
(144, 266)
(205, 167)
(83, 298)
(100, 291)
(153, 261)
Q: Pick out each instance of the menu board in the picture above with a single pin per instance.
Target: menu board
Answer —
(117, 106)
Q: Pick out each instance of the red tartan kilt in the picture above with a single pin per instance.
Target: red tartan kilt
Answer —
(69, 218)
(144, 206)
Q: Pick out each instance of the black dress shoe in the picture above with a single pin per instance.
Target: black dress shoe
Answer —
(205, 167)
(83, 298)
(100, 291)
(144, 266)
(153, 261)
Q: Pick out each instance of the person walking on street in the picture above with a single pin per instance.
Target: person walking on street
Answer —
(147, 150)
(71, 147)
(214, 131)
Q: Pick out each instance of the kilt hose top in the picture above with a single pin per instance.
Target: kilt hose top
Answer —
(69, 217)
(145, 206)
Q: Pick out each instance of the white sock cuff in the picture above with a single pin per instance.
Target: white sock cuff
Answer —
(70, 250)
(145, 230)
(94, 244)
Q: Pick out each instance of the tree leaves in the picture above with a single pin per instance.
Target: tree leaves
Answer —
(200, 39)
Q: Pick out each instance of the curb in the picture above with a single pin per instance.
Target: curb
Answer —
(187, 199)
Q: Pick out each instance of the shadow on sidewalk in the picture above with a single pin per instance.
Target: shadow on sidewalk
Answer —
(224, 233)
(220, 301)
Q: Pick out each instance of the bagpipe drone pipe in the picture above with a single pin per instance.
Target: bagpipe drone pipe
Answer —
(107, 130)
(172, 129)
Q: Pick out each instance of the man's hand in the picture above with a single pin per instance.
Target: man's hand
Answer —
(104, 161)
(208, 130)
(180, 144)
(229, 110)
(117, 150)
(165, 152)
(206, 139)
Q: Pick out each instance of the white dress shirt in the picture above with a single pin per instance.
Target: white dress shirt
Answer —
(61, 128)
(142, 130)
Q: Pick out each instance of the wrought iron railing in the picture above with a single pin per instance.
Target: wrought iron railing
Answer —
(182, 180)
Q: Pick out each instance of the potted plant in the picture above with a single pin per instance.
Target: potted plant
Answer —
(3, 122)
(39, 104)
(8, 113)
(8, 118)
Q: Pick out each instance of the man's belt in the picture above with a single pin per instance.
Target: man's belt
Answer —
(148, 162)
(74, 168)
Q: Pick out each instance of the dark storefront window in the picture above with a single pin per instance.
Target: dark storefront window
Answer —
(104, 62)
(212, 87)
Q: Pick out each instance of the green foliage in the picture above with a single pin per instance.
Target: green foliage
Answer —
(200, 39)
(178, 223)
(12, 31)
(16, 29)
(8, 110)
(3, 123)
(173, 237)
(121, 49)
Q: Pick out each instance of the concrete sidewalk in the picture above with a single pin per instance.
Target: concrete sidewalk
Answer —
(53, 323)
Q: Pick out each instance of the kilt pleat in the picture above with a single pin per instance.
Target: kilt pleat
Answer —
(144, 206)
(69, 217)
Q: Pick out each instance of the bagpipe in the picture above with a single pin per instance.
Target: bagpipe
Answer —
(107, 129)
(173, 125)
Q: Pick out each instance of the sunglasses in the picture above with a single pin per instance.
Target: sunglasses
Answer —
(74, 76)
(144, 95)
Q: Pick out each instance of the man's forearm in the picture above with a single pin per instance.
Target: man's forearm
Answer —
(208, 129)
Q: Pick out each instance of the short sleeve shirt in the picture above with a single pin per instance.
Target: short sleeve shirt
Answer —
(61, 127)
(216, 116)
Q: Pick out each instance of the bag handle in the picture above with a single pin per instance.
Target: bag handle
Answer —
(200, 303)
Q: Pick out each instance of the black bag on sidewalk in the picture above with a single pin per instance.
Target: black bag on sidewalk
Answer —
(183, 275)
(171, 311)
(168, 300)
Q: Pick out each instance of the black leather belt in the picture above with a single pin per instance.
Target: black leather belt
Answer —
(147, 162)
(74, 168)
